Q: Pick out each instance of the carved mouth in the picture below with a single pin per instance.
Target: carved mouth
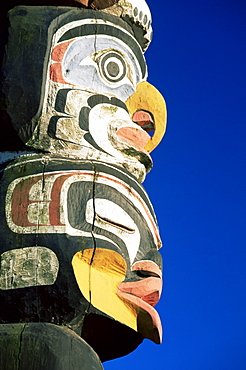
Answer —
(144, 120)
(144, 294)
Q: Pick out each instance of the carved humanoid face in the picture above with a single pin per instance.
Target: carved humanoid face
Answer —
(80, 230)
(124, 265)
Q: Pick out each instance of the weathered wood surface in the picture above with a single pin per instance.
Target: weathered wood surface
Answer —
(42, 346)
(78, 235)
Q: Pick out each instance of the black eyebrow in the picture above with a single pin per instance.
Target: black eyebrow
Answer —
(104, 29)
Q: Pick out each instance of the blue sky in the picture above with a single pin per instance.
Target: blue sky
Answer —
(198, 61)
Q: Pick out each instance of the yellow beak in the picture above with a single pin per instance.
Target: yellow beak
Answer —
(147, 98)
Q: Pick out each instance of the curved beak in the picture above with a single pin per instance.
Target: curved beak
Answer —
(147, 108)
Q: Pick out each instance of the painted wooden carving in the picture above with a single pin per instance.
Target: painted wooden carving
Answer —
(79, 238)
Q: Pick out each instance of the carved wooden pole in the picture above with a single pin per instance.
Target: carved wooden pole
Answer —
(80, 267)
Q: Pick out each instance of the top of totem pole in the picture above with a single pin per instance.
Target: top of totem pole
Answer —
(135, 12)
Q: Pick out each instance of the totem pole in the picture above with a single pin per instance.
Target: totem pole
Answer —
(80, 269)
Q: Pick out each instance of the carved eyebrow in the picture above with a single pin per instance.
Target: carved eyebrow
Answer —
(115, 224)
(104, 29)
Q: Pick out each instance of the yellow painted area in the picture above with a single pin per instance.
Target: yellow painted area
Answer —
(99, 282)
(149, 99)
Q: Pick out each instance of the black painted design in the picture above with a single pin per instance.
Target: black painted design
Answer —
(113, 67)
(102, 99)
(61, 98)
(138, 31)
(104, 29)
(92, 142)
(53, 125)
(84, 118)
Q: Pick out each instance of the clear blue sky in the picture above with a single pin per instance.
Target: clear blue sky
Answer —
(198, 61)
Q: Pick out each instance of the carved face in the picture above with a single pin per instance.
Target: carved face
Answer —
(87, 228)
(77, 86)
(95, 67)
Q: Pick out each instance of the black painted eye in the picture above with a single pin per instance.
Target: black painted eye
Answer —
(113, 67)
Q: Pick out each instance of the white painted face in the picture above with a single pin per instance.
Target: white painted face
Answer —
(105, 64)
(94, 68)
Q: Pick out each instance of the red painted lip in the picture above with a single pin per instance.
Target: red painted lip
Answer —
(135, 137)
(145, 293)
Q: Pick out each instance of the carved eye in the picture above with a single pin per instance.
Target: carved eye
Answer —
(145, 274)
(115, 224)
(112, 67)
